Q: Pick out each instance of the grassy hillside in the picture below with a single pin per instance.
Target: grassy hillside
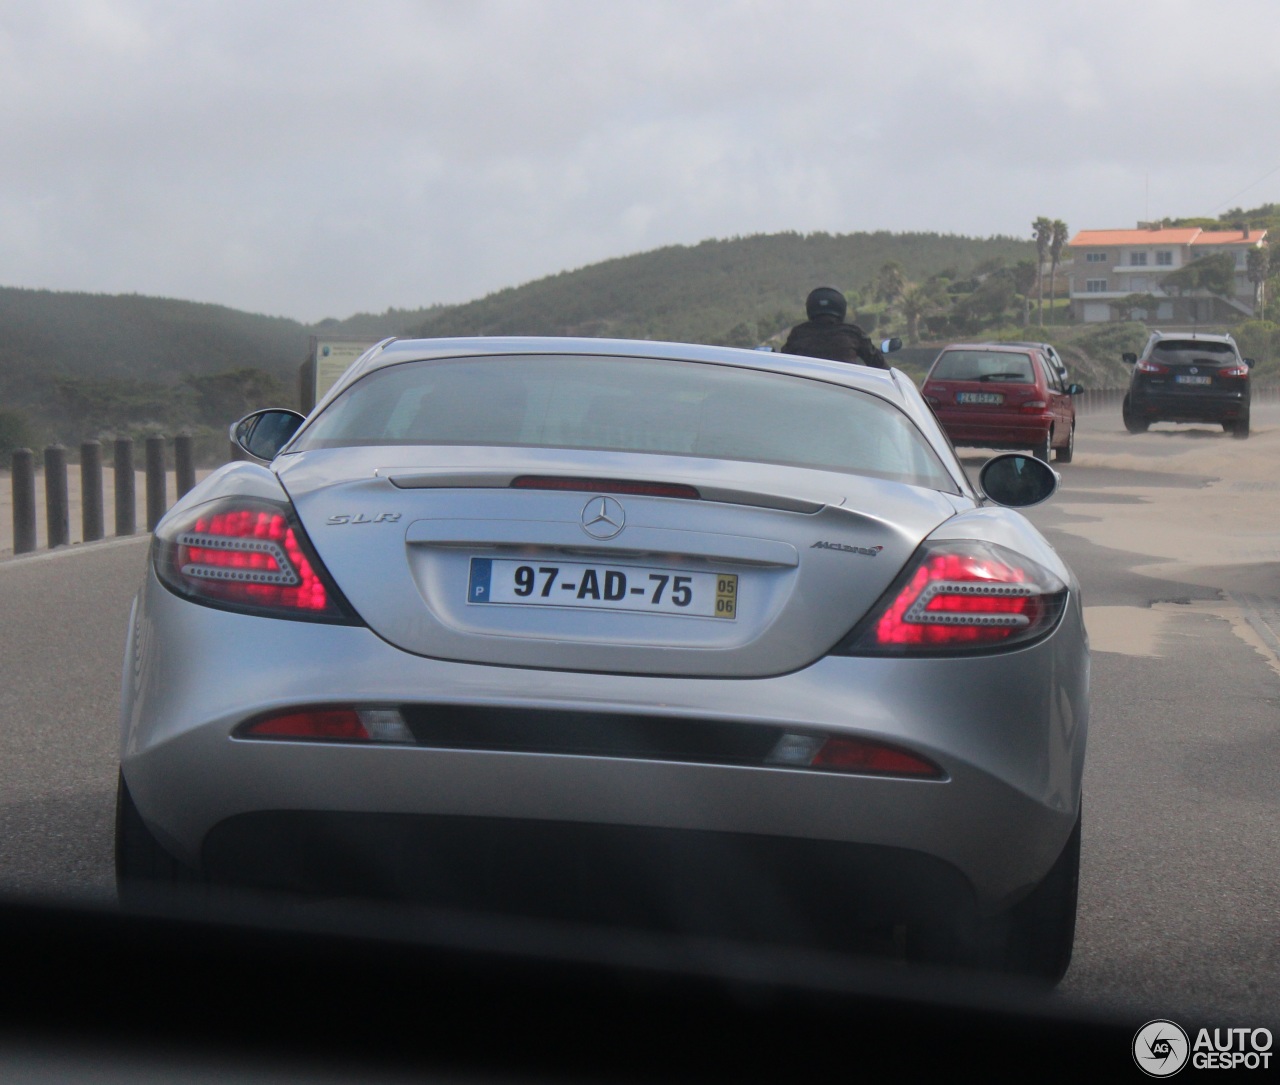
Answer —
(140, 338)
(740, 291)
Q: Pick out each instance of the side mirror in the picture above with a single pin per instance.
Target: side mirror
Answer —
(1074, 389)
(888, 346)
(1128, 357)
(262, 434)
(1250, 362)
(1017, 481)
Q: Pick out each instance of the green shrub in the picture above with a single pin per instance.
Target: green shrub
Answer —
(15, 432)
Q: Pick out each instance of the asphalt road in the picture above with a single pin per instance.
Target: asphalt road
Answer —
(1180, 895)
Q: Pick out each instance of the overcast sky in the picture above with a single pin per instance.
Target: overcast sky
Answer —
(316, 159)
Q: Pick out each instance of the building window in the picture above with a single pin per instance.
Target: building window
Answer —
(1164, 259)
(1241, 259)
(1095, 257)
(1096, 286)
(1137, 259)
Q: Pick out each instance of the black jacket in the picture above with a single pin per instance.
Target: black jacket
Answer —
(839, 342)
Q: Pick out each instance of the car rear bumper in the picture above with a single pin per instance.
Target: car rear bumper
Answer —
(994, 430)
(1007, 729)
(1189, 407)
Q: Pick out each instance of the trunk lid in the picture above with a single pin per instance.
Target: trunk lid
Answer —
(442, 557)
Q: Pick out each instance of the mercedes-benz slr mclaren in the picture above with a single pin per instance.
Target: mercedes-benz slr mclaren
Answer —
(622, 633)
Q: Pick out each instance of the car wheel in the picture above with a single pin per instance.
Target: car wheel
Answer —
(1040, 450)
(1064, 454)
(142, 865)
(1132, 423)
(1240, 430)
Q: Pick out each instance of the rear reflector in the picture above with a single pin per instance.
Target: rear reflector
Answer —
(841, 753)
(605, 486)
(331, 725)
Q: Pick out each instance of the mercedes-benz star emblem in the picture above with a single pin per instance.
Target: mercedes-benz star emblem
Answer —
(603, 518)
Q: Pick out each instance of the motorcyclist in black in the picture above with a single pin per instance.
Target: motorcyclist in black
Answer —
(826, 335)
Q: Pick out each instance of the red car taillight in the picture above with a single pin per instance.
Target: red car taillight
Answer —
(1240, 370)
(1147, 366)
(961, 596)
(251, 556)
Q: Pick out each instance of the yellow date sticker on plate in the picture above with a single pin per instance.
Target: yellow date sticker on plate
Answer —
(726, 595)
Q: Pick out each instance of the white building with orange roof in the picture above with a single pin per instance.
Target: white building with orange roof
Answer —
(1108, 267)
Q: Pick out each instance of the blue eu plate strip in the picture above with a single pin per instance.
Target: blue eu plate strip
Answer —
(481, 571)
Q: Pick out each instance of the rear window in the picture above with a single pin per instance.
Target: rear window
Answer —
(630, 405)
(984, 365)
(1193, 352)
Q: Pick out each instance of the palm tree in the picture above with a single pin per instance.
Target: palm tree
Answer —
(1258, 264)
(917, 301)
(1043, 231)
(1057, 241)
(890, 282)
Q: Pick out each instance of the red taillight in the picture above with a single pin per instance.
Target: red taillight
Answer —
(962, 595)
(1147, 366)
(247, 555)
(1034, 405)
(1234, 371)
(605, 486)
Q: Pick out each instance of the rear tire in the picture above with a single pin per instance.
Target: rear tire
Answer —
(144, 870)
(1064, 454)
(1240, 429)
(1041, 449)
(1132, 422)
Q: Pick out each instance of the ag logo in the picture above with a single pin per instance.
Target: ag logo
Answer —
(1161, 1048)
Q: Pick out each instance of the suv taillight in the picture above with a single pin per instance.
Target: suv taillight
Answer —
(1237, 370)
(1148, 366)
(958, 596)
(248, 555)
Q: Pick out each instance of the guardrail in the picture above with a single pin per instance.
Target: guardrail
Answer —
(57, 496)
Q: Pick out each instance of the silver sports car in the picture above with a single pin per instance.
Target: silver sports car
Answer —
(618, 632)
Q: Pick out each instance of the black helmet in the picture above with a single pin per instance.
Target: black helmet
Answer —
(825, 301)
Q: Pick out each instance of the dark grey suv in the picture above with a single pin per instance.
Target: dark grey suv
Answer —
(1188, 377)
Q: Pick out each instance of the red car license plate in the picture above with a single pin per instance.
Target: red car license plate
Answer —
(990, 398)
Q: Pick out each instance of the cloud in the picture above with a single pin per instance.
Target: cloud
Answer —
(318, 158)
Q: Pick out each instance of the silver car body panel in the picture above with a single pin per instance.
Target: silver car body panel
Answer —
(408, 576)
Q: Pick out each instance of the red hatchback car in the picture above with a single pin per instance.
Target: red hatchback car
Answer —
(993, 395)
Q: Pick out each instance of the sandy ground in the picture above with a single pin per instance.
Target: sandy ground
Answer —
(1220, 529)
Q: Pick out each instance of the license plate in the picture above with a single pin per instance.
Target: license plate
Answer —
(603, 587)
(980, 397)
(1193, 380)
